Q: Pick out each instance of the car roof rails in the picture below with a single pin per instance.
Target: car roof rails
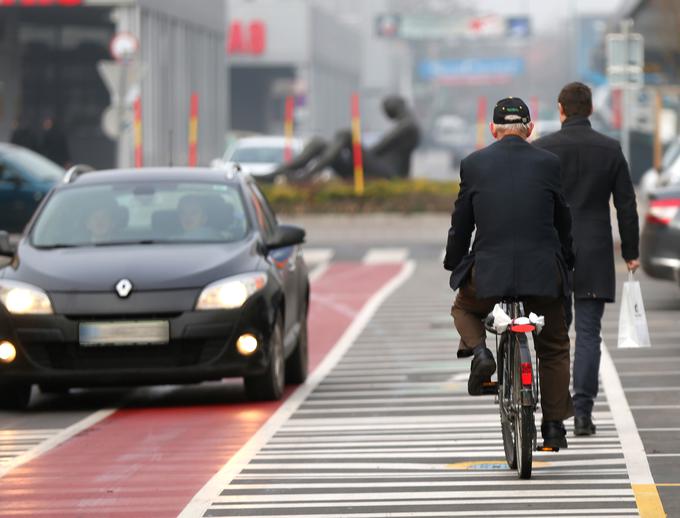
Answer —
(234, 171)
(74, 172)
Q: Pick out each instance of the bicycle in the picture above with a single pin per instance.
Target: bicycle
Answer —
(517, 388)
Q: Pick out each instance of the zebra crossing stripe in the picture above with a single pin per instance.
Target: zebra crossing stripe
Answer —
(386, 255)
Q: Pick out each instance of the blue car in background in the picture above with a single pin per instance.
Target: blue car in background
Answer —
(25, 178)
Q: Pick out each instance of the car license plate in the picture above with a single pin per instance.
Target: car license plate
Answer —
(155, 332)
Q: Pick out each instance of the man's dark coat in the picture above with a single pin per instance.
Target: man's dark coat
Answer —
(594, 169)
(511, 192)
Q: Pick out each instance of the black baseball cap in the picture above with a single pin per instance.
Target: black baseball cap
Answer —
(511, 110)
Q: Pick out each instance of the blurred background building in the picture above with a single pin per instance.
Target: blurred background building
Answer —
(50, 56)
(451, 60)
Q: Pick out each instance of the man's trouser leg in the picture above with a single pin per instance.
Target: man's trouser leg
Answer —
(468, 312)
(552, 349)
(587, 357)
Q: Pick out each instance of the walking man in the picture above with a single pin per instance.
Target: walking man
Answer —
(593, 170)
(511, 194)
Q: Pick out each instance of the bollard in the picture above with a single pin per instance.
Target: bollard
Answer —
(193, 131)
(288, 129)
(481, 121)
(137, 130)
(356, 147)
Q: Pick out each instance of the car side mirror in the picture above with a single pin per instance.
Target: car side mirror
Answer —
(6, 248)
(286, 235)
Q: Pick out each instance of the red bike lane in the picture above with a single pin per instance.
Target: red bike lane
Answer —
(151, 461)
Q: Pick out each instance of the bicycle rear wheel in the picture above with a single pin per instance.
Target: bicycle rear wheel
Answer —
(505, 399)
(524, 441)
(525, 428)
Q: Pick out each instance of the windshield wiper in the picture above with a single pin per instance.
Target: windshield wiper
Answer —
(57, 246)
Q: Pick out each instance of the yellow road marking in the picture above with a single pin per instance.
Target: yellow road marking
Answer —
(648, 501)
(491, 465)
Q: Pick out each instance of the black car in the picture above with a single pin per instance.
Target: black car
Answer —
(660, 241)
(25, 178)
(153, 276)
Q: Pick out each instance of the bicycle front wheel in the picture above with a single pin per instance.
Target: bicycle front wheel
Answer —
(505, 377)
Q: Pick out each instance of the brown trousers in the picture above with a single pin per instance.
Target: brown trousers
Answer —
(552, 345)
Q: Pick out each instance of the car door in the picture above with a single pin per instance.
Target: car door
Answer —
(284, 260)
(17, 197)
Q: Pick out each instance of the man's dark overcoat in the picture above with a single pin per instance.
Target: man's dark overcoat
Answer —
(594, 169)
(511, 193)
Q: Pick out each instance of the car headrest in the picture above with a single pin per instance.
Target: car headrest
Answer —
(165, 222)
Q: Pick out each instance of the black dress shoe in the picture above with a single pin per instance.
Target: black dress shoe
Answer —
(583, 425)
(482, 367)
(554, 435)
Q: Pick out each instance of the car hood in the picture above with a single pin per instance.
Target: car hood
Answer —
(148, 267)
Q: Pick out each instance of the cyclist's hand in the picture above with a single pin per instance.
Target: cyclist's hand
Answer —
(633, 265)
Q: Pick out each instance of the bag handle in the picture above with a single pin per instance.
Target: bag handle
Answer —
(631, 276)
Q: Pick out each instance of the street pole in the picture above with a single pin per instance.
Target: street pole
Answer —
(625, 90)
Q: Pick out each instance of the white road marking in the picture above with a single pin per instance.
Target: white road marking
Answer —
(386, 255)
(633, 449)
(317, 255)
(204, 498)
(57, 439)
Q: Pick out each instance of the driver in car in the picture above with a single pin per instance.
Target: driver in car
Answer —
(511, 193)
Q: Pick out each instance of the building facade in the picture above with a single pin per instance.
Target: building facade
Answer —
(56, 61)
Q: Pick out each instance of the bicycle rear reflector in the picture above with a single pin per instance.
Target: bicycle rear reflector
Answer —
(527, 375)
(522, 328)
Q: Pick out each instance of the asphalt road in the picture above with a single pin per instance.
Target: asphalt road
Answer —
(383, 428)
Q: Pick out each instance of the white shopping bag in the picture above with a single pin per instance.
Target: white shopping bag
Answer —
(633, 330)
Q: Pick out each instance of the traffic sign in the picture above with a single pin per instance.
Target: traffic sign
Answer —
(625, 59)
(124, 46)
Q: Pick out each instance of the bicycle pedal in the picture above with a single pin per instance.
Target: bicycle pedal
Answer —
(547, 449)
(489, 388)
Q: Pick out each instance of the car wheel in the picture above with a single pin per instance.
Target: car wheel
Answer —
(269, 385)
(15, 396)
(297, 364)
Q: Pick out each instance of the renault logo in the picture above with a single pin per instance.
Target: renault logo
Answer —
(123, 288)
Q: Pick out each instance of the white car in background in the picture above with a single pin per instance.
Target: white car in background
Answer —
(258, 156)
(670, 170)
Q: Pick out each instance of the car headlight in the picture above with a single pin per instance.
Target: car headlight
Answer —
(24, 299)
(232, 292)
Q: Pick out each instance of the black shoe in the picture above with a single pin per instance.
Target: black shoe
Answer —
(482, 367)
(554, 435)
(583, 425)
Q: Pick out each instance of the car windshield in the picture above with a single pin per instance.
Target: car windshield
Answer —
(141, 213)
(257, 155)
(34, 166)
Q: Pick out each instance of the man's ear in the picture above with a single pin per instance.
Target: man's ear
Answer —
(531, 128)
(492, 129)
(561, 109)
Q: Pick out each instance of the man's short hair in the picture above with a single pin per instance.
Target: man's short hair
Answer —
(576, 100)
(519, 128)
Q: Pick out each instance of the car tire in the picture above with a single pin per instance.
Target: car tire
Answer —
(15, 396)
(269, 385)
(297, 364)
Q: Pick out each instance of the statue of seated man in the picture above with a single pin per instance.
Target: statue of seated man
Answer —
(390, 157)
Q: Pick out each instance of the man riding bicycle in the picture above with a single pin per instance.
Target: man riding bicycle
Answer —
(510, 192)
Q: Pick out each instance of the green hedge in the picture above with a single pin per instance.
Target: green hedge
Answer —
(405, 196)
